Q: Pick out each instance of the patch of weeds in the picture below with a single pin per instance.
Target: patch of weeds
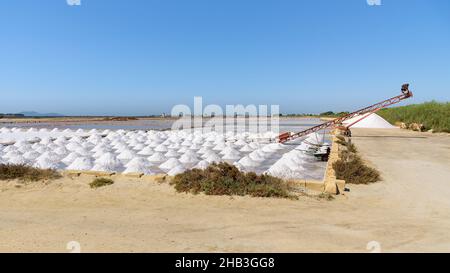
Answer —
(341, 140)
(101, 182)
(226, 179)
(26, 173)
(351, 168)
(325, 196)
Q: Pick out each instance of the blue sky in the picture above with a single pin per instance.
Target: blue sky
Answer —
(140, 57)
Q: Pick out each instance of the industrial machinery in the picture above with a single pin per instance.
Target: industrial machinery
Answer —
(338, 122)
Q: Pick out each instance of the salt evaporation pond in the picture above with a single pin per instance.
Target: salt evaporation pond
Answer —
(285, 124)
(157, 152)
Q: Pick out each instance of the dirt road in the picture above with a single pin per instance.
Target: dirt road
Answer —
(408, 211)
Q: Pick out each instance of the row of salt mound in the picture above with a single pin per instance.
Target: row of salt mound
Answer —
(292, 165)
(189, 160)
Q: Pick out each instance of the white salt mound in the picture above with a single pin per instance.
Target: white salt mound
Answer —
(81, 164)
(107, 163)
(138, 168)
(213, 158)
(231, 155)
(188, 158)
(170, 164)
(19, 160)
(246, 161)
(161, 148)
(11, 154)
(202, 165)
(70, 158)
(371, 121)
(31, 155)
(257, 155)
(146, 151)
(280, 169)
(171, 153)
(176, 170)
(138, 161)
(156, 158)
(126, 155)
(47, 163)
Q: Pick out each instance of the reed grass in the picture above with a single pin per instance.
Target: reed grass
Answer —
(433, 115)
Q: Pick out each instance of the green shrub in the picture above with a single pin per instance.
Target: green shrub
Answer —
(26, 173)
(325, 196)
(226, 179)
(433, 115)
(101, 182)
(351, 168)
(350, 146)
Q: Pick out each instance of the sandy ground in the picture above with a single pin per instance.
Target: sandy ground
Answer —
(407, 212)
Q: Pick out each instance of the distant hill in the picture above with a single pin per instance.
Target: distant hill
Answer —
(36, 114)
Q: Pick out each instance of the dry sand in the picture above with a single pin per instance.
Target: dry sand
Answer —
(408, 211)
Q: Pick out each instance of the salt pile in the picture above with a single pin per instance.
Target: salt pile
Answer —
(213, 157)
(202, 165)
(240, 142)
(81, 164)
(189, 158)
(220, 146)
(107, 163)
(253, 145)
(170, 164)
(370, 120)
(176, 170)
(61, 150)
(292, 165)
(31, 155)
(138, 147)
(48, 161)
(281, 169)
(246, 161)
(314, 139)
(82, 151)
(51, 156)
(157, 158)
(146, 151)
(126, 155)
(231, 154)
(203, 150)
(161, 148)
(138, 161)
(12, 154)
(20, 160)
(70, 158)
(171, 153)
(138, 165)
(139, 169)
(257, 155)
(246, 148)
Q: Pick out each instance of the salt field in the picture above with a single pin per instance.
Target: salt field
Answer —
(158, 152)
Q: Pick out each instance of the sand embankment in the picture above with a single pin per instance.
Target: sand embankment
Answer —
(408, 211)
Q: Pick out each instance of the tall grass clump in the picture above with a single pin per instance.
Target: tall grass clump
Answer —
(351, 168)
(433, 115)
(226, 179)
(26, 173)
